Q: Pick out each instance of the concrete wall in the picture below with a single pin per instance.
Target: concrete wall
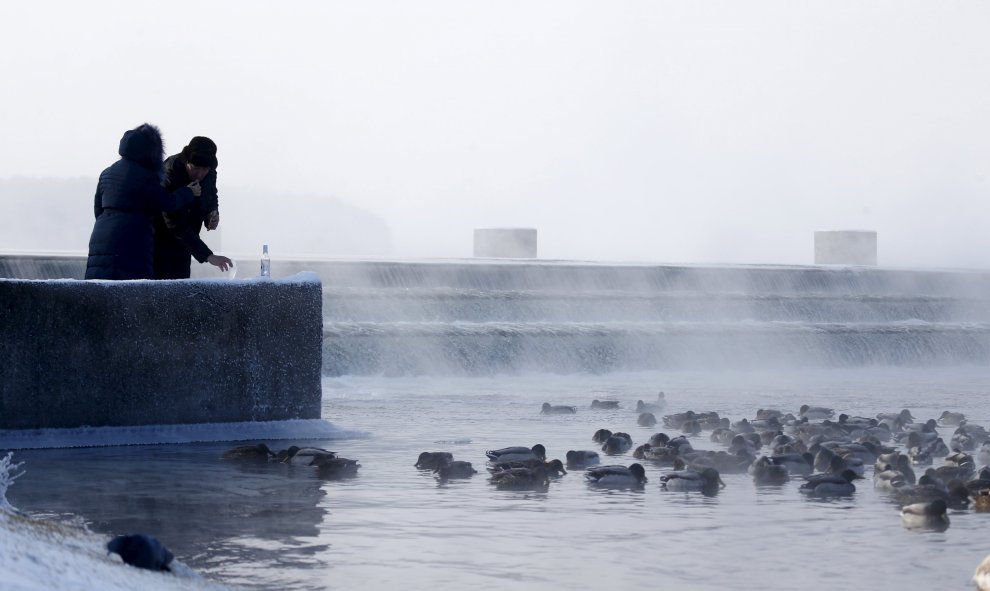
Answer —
(100, 353)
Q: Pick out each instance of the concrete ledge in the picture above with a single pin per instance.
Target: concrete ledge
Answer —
(113, 353)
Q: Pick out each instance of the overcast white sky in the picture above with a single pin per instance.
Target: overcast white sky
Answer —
(690, 131)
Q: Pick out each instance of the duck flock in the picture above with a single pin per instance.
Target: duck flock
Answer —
(924, 466)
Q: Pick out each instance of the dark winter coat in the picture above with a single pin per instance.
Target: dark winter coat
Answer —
(177, 232)
(129, 196)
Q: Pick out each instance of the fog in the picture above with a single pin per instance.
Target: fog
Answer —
(699, 132)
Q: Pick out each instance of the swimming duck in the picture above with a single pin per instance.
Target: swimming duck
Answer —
(331, 468)
(601, 435)
(549, 409)
(646, 419)
(982, 575)
(815, 412)
(829, 485)
(766, 473)
(707, 480)
(896, 419)
(661, 454)
(616, 476)
(925, 516)
(692, 427)
(981, 500)
(796, 463)
(894, 476)
(454, 469)
(768, 413)
(509, 454)
(537, 478)
(659, 439)
(618, 443)
(259, 452)
(582, 457)
(954, 493)
(951, 419)
(983, 454)
(302, 455)
(430, 460)
(604, 404)
(554, 467)
(675, 421)
(651, 406)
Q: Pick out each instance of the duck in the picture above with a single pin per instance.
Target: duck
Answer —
(983, 454)
(141, 551)
(894, 476)
(654, 407)
(796, 463)
(299, 455)
(955, 494)
(766, 473)
(549, 409)
(616, 476)
(981, 500)
(601, 435)
(582, 457)
(706, 481)
(604, 404)
(646, 419)
(537, 478)
(659, 439)
(898, 419)
(660, 454)
(554, 467)
(692, 427)
(675, 421)
(454, 469)
(258, 452)
(829, 485)
(331, 468)
(931, 515)
(981, 577)
(951, 419)
(768, 413)
(618, 443)
(509, 454)
(430, 460)
(815, 412)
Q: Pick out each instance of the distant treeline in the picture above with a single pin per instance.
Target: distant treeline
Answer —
(56, 214)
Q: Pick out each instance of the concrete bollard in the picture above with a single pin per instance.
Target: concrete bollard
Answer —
(123, 353)
(846, 247)
(513, 243)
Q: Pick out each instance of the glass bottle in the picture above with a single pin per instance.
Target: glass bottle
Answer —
(266, 262)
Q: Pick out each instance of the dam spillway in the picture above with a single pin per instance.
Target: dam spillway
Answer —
(476, 318)
(483, 317)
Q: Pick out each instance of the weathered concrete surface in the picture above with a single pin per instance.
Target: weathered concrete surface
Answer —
(99, 353)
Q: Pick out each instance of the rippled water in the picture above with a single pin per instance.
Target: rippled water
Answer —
(276, 526)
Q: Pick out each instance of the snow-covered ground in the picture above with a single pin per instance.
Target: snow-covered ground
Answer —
(40, 555)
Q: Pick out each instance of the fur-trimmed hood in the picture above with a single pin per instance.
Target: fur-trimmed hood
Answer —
(143, 145)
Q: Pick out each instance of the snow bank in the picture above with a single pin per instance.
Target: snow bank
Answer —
(40, 556)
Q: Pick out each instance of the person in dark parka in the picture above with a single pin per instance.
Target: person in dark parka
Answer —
(129, 196)
(177, 232)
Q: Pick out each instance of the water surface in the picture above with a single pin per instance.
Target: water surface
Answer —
(274, 526)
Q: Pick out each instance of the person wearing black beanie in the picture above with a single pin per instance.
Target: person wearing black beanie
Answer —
(177, 232)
